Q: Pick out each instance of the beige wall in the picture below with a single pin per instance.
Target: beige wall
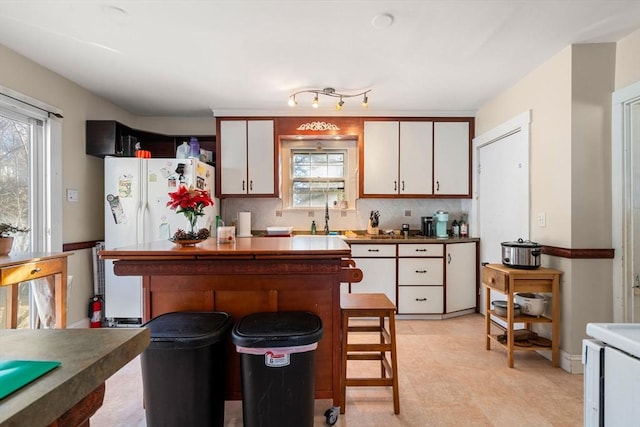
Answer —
(84, 220)
(570, 100)
(628, 60)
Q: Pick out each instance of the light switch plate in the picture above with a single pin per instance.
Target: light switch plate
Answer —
(72, 195)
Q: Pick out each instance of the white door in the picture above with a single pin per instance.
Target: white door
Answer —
(416, 157)
(625, 207)
(502, 188)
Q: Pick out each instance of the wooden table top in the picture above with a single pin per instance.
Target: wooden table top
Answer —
(253, 247)
(25, 257)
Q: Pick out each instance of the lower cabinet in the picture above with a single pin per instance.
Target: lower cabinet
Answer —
(378, 265)
(461, 291)
(420, 278)
(434, 279)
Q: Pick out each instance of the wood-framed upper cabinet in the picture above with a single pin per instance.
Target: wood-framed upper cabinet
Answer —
(397, 158)
(247, 158)
(451, 147)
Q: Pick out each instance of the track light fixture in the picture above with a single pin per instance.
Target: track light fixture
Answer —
(329, 91)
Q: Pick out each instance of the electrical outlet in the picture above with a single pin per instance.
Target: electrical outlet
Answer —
(311, 214)
(343, 214)
(407, 212)
(278, 212)
(542, 219)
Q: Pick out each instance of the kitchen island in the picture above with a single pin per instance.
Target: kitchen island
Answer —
(259, 274)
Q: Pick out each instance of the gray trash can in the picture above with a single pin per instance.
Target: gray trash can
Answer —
(184, 369)
(278, 367)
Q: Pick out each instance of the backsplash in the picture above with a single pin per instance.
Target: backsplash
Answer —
(264, 213)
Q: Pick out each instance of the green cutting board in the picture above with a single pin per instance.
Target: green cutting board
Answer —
(15, 374)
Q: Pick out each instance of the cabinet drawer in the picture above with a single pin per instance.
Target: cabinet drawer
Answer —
(420, 250)
(373, 250)
(497, 280)
(420, 271)
(420, 299)
(30, 271)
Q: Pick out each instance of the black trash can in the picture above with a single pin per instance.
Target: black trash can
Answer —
(278, 367)
(184, 369)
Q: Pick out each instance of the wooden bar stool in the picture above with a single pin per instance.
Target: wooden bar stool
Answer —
(370, 306)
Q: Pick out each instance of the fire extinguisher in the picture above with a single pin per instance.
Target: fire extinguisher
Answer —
(95, 312)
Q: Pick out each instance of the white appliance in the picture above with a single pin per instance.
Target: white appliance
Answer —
(612, 375)
(136, 195)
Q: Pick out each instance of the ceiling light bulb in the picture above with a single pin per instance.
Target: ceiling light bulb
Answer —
(365, 101)
(339, 104)
(292, 101)
(315, 102)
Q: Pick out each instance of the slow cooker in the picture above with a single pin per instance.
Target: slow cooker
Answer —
(521, 254)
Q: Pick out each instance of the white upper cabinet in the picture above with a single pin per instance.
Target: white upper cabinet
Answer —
(247, 158)
(397, 158)
(451, 158)
(381, 157)
(416, 157)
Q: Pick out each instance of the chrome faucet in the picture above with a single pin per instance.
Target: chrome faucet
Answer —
(326, 218)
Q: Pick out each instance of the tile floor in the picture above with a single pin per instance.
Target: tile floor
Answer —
(447, 378)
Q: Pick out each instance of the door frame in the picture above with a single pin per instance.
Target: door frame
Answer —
(621, 201)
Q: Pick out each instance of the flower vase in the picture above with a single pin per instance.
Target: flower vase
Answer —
(6, 243)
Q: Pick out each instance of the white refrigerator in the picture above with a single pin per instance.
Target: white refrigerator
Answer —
(136, 193)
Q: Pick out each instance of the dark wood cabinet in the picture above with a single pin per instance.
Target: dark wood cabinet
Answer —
(111, 138)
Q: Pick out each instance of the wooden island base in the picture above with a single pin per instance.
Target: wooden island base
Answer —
(252, 275)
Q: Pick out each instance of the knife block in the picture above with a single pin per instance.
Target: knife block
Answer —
(371, 229)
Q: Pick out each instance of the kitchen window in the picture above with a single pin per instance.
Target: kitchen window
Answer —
(319, 172)
(30, 182)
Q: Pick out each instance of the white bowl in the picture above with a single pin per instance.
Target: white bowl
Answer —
(279, 230)
(531, 304)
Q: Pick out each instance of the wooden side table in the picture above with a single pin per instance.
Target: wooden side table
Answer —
(21, 267)
(509, 281)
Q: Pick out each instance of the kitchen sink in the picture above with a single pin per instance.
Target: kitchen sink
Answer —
(315, 236)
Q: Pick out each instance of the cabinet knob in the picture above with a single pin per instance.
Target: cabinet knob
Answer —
(36, 270)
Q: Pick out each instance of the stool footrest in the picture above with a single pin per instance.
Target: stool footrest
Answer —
(368, 382)
(368, 347)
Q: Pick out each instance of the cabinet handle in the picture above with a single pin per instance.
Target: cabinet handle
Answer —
(437, 185)
(421, 299)
(403, 185)
(373, 250)
(421, 250)
(421, 271)
(251, 185)
(36, 270)
(243, 185)
(448, 258)
(395, 185)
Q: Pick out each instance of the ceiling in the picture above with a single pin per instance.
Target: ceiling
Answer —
(245, 57)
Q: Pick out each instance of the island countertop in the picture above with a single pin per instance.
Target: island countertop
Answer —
(251, 247)
(88, 356)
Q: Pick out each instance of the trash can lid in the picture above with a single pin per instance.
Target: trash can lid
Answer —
(189, 329)
(277, 329)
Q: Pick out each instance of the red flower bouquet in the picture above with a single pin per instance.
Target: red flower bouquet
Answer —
(190, 202)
